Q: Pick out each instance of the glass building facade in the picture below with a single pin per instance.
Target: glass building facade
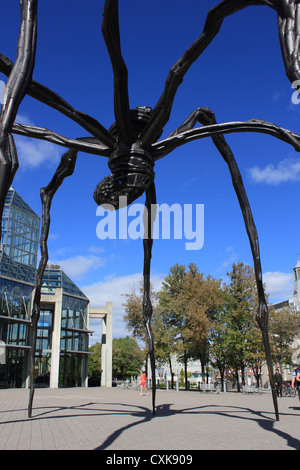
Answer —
(18, 257)
(20, 230)
(62, 339)
(63, 303)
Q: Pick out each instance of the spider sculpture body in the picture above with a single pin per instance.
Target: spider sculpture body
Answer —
(131, 144)
(132, 166)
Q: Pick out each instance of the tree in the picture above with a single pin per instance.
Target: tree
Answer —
(241, 307)
(134, 318)
(162, 331)
(172, 314)
(218, 339)
(94, 361)
(187, 302)
(254, 351)
(128, 358)
(134, 311)
(284, 326)
(200, 298)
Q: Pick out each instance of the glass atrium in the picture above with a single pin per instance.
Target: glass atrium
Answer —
(20, 230)
(18, 257)
(62, 339)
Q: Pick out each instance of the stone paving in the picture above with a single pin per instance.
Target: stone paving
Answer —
(118, 419)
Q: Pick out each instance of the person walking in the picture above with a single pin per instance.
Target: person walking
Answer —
(278, 383)
(143, 383)
(296, 380)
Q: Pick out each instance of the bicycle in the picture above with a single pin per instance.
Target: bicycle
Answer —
(288, 391)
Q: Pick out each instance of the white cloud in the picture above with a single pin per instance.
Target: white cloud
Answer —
(286, 170)
(279, 286)
(24, 119)
(113, 290)
(96, 249)
(34, 153)
(77, 267)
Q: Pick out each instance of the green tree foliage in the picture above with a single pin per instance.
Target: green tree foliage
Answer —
(134, 311)
(200, 317)
(94, 361)
(284, 326)
(241, 307)
(172, 314)
(128, 358)
(200, 299)
(134, 322)
(187, 302)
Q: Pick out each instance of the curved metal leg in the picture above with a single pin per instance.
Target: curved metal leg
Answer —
(15, 89)
(111, 34)
(65, 169)
(8, 166)
(206, 117)
(213, 23)
(149, 217)
(50, 98)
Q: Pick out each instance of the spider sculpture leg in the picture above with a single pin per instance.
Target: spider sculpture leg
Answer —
(213, 23)
(288, 26)
(15, 89)
(149, 217)
(52, 99)
(8, 166)
(65, 169)
(111, 35)
(206, 117)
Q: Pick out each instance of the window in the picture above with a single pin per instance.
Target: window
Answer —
(44, 332)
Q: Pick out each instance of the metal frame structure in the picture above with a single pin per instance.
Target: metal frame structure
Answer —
(132, 144)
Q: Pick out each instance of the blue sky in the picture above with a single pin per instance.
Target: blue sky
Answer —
(240, 76)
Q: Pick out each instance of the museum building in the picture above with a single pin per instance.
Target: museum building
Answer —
(63, 327)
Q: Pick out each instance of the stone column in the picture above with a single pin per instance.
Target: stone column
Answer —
(55, 354)
(105, 314)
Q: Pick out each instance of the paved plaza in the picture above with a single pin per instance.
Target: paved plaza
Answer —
(120, 419)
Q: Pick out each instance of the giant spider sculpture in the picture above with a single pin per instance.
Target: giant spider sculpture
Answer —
(131, 144)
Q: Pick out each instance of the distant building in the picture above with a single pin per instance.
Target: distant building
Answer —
(295, 300)
(294, 303)
(63, 327)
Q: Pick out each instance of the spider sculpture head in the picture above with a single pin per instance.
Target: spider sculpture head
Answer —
(131, 167)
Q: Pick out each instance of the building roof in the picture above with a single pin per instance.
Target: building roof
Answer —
(16, 271)
(54, 277)
(298, 264)
(15, 199)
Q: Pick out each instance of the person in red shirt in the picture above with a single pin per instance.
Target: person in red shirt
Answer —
(296, 380)
(143, 383)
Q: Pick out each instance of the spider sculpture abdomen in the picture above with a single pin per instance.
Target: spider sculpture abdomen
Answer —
(131, 166)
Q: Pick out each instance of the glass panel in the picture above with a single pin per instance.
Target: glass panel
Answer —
(71, 369)
(15, 299)
(13, 373)
(42, 369)
(22, 229)
(44, 333)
